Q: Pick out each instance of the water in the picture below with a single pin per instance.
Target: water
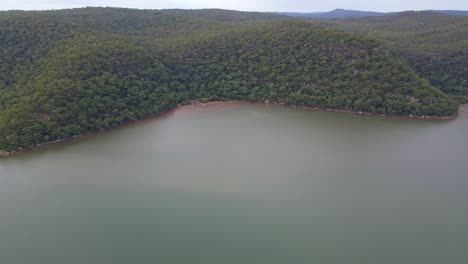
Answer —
(243, 184)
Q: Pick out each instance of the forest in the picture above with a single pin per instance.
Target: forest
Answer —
(69, 72)
(434, 45)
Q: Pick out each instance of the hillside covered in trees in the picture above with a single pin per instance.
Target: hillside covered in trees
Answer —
(68, 72)
(435, 45)
(344, 13)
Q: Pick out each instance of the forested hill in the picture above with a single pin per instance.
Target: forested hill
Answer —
(27, 36)
(343, 13)
(65, 73)
(337, 13)
(435, 45)
(156, 23)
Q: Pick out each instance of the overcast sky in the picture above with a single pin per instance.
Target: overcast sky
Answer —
(247, 5)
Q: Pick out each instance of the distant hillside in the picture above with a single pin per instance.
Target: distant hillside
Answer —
(68, 72)
(343, 14)
(337, 13)
(435, 45)
(451, 12)
(158, 23)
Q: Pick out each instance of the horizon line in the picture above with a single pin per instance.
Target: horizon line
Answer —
(215, 8)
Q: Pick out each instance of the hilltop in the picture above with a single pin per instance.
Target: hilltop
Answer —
(344, 14)
(69, 72)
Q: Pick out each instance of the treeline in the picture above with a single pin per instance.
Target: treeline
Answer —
(63, 77)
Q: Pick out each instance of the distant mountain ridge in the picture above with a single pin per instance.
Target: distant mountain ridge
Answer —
(451, 12)
(337, 13)
(343, 13)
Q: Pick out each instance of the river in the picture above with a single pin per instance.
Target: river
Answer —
(243, 183)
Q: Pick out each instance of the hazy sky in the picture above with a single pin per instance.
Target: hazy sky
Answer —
(248, 5)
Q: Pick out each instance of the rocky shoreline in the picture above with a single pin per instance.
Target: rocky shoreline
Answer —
(319, 109)
(4, 154)
(441, 118)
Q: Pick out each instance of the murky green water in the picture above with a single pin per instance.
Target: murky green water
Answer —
(243, 184)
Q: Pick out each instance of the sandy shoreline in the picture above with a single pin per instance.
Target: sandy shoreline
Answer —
(196, 104)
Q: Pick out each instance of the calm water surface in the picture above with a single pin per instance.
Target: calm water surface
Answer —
(243, 184)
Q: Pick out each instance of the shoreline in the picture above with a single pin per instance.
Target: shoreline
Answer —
(319, 109)
(361, 113)
(197, 104)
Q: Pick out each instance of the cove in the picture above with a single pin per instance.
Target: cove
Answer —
(243, 184)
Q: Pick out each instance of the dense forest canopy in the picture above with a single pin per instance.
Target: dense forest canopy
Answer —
(344, 13)
(435, 45)
(68, 72)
